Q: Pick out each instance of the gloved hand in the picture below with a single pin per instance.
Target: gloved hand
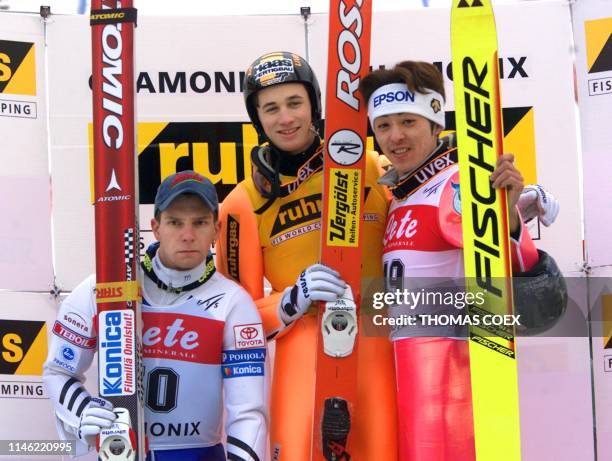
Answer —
(97, 415)
(316, 283)
(535, 201)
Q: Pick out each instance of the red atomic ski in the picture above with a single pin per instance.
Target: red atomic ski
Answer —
(116, 217)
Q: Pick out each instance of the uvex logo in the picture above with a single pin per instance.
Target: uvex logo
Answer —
(182, 337)
(297, 212)
(400, 226)
(433, 168)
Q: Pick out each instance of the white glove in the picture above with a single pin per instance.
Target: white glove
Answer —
(535, 201)
(97, 415)
(316, 283)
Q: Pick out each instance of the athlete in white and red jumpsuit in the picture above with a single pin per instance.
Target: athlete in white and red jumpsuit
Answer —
(423, 241)
(203, 344)
(423, 244)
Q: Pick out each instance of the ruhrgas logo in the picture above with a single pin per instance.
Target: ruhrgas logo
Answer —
(116, 353)
(306, 209)
(233, 255)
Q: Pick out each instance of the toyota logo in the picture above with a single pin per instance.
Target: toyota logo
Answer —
(249, 332)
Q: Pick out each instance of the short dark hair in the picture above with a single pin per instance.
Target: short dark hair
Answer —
(417, 75)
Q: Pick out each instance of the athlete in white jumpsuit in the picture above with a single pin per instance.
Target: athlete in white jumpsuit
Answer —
(203, 351)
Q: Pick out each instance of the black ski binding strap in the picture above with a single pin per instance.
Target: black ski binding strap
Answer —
(114, 16)
(335, 429)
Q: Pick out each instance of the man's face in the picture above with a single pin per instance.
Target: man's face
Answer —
(185, 230)
(405, 139)
(285, 114)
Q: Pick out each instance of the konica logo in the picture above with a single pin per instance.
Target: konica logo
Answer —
(116, 352)
(393, 96)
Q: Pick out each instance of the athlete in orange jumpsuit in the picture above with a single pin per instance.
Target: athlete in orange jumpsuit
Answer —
(271, 228)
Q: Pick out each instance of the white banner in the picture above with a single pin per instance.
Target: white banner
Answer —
(25, 195)
(592, 20)
(593, 37)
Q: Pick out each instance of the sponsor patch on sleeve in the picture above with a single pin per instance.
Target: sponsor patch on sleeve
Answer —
(240, 370)
(249, 336)
(61, 330)
(231, 357)
(66, 358)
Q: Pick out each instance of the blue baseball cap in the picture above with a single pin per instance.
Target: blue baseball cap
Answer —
(186, 182)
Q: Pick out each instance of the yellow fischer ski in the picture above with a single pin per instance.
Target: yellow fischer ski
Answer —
(493, 360)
